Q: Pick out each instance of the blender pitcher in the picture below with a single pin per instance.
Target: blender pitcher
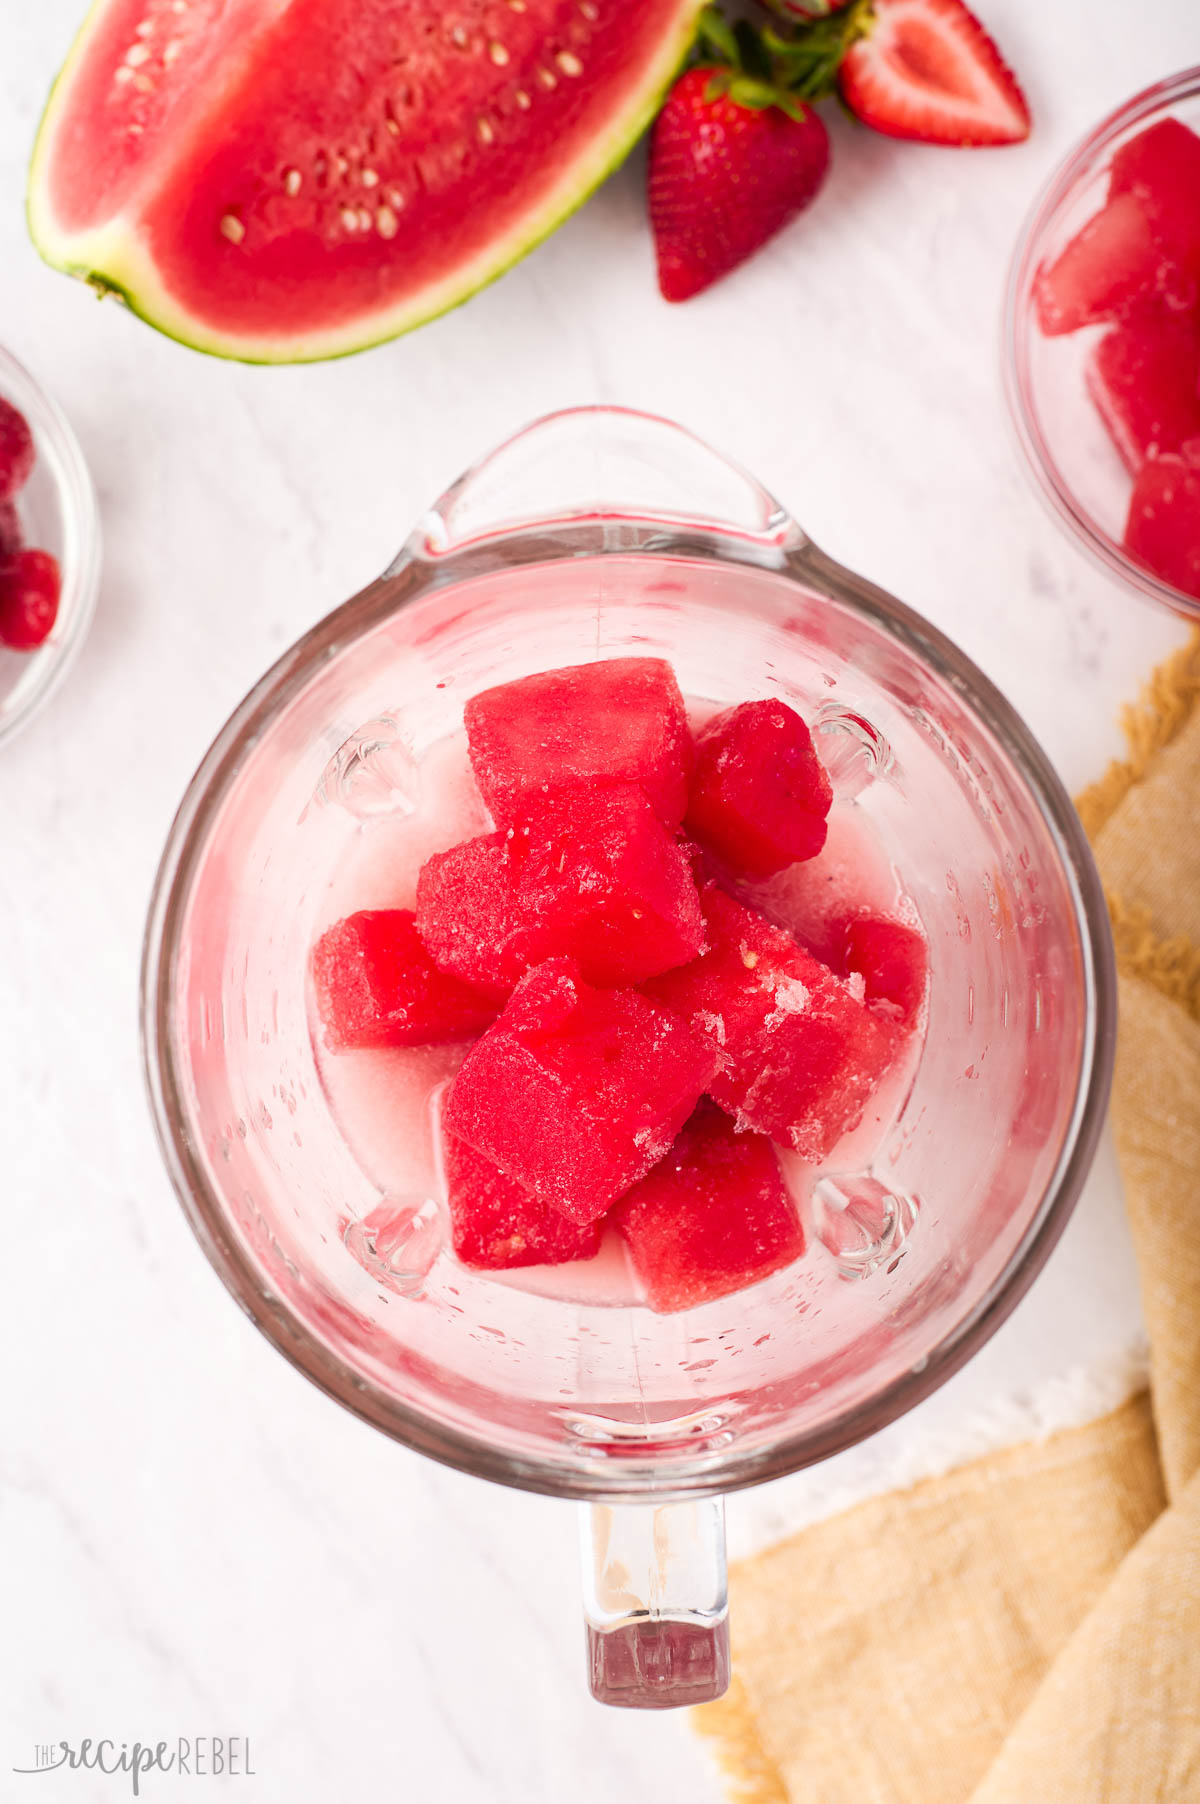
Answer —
(602, 533)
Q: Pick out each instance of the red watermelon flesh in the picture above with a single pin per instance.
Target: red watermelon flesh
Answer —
(1115, 263)
(1161, 167)
(1163, 526)
(713, 1215)
(376, 985)
(799, 1055)
(893, 961)
(287, 179)
(590, 874)
(1142, 377)
(496, 1224)
(576, 1092)
(621, 720)
(760, 794)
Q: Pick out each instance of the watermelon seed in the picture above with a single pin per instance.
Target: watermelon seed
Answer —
(498, 54)
(171, 51)
(232, 228)
(459, 36)
(518, 6)
(386, 223)
(523, 100)
(350, 218)
(137, 54)
(370, 178)
(569, 63)
(121, 74)
(364, 219)
(589, 11)
(486, 134)
(392, 126)
(291, 181)
(547, 79)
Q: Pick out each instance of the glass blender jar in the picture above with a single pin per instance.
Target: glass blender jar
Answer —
(603, 533)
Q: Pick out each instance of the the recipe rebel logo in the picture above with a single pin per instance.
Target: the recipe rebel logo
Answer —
(193, 1757)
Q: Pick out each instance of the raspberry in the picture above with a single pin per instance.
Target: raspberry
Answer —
(29, 589)
(16, 451)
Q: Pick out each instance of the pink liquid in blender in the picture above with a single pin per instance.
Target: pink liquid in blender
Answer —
(388, 1101)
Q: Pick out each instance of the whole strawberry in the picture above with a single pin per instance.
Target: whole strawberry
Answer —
(733, 158)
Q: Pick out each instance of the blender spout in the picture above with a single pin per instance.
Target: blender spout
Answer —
(655, 1603)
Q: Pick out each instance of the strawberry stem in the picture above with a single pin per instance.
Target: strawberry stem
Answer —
(780, 65)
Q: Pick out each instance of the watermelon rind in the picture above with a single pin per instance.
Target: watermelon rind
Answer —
(113, 259)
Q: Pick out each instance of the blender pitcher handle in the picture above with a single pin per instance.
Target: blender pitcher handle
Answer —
(655, 1602)
(608, 464)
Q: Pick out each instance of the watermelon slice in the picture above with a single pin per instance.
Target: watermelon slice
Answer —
(284, 180)
(574, 1092)
(712, 1216)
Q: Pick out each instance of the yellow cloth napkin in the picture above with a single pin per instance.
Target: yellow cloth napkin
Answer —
(1026, 1629)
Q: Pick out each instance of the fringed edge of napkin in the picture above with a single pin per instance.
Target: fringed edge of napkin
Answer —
(731, 1730)
(1160, 712)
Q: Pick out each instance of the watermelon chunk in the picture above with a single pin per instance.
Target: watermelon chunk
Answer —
(280, 180)
(621, 720)
(1163, 527)
(1161, 168)
(588, 874)
(576, 1092)
(376, 985)
(893, 961)
(714, 1215)
(1142, 377)
(496, 1224)
(760, 794)
(1116, 262)
(799, 1055)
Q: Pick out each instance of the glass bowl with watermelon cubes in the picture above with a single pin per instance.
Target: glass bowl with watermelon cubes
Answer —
(48, 522)
(1102, 339)
(628, 1007)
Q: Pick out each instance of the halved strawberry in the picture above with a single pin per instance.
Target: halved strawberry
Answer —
(927, 69)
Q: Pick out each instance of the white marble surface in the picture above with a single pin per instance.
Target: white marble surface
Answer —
(195, 1541)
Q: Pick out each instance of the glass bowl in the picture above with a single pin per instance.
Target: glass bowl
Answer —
(57, 511)
(1073, 462)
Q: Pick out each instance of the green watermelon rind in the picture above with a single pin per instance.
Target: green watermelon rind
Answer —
(116, 273)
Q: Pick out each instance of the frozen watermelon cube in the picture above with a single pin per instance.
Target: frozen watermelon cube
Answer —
(1163, 527)
(759, 794)
(1161, 169)
(467, 912)
(799, 1054)
(590, 874)
(1142, 377)
(893, 961)
(376, 985)
(621, 720)
(495, 1223)
(576, 1092)
(714, 1215)
(1115, 263)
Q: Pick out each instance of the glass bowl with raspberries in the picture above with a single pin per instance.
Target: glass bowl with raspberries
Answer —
(628, 1007)
(1102, 342)
(49, 546)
